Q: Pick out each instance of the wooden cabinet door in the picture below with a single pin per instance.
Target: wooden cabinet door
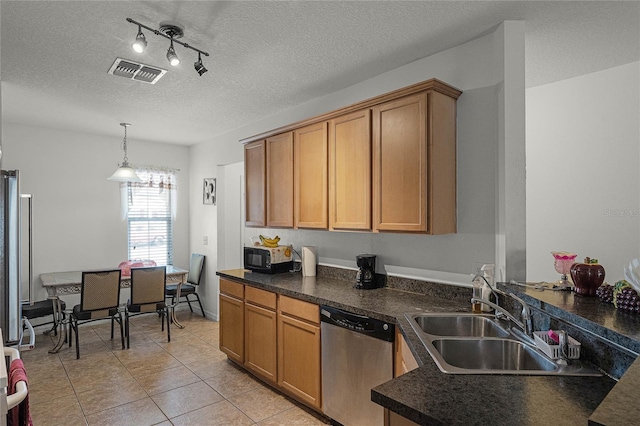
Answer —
(260, 341)
(404, 359)
(310, 176)
(255, 183)
(299, 359)
(404, 362)
(232, 327)
(350, 171)
(280, 180)
(400, 165)
(442, 164)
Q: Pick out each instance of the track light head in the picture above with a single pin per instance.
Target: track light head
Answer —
(200, 69)
(141, 42)
(171, 56)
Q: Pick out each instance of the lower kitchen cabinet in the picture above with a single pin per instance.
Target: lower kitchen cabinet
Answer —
(299, 350)
(404, 362)
(260, 333)
(232, 320)
(274, 337)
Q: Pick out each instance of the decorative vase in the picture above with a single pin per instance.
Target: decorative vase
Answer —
(587, 277)
(562, 263)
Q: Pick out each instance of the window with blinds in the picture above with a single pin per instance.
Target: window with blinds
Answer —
(149, 216)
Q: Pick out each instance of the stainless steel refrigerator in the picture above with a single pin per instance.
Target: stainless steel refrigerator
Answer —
(11, 253)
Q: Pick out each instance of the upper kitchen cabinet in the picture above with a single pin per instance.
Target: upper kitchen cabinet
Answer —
(255, 164)
(310, 176)
(280, 180)
(386, 164)
(414, 164)
(350, 171)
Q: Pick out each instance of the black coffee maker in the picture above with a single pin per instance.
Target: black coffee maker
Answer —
(366, 277)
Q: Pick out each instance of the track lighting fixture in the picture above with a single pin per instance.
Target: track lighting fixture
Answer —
(200, 69)
(171, 55)
(171, 32)
(141, 41)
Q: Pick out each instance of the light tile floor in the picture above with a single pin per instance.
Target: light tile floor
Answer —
(186, 382)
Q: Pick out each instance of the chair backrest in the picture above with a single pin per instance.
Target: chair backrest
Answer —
(100, 291)
(148, 285)
(196, 265)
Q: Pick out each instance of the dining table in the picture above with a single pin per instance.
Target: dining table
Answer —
(70, 282)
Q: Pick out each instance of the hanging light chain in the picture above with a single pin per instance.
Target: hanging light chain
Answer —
(124, 144)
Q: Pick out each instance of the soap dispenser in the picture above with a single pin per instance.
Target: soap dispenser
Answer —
(477, 294)
(487, 271)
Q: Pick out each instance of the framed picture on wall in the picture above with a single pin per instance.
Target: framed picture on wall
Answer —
(209, 191)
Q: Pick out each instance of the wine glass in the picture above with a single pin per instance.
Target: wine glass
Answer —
(562, 263)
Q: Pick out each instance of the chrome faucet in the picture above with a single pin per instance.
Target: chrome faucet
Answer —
(526, 324)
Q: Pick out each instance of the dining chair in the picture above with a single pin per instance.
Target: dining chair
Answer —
(196, 266)
(99, 299)
(43, 308)
(148, 287)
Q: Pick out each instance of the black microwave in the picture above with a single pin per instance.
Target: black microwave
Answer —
(268, 260)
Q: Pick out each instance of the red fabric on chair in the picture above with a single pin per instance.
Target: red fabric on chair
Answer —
(20, 414)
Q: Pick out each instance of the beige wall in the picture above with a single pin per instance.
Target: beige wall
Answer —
(583, 179)
(76, 219)
(478, 68)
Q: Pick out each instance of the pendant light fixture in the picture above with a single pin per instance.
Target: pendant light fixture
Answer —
(125, 172)
(173, 32)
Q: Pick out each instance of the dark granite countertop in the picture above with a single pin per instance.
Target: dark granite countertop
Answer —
(620, 407)
(428, 396)
(589, 313)
(384, 304)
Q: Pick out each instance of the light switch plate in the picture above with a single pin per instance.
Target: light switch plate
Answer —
(205, 240)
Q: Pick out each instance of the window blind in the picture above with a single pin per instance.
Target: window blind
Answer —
(149, 217)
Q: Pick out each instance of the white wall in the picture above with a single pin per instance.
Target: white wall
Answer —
(477, 68)
(583, 173)
(76, 219)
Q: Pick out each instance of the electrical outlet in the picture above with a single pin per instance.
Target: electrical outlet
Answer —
(205, 240)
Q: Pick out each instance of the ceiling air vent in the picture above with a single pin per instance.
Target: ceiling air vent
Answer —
(136, 71)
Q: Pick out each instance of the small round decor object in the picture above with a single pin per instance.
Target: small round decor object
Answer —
(587, 277)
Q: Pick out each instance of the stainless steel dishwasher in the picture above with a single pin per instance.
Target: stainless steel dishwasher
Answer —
(357, 355)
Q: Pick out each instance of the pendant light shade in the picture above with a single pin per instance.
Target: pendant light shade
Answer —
(125, 172)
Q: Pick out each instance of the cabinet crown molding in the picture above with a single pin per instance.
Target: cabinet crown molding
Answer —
(432, 84)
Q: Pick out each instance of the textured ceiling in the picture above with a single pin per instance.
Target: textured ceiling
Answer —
(266, 56)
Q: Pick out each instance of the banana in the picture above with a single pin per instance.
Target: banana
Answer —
(269, 242)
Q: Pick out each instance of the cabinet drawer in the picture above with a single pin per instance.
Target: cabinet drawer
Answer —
(231, 288)
(260, 297)
(297, 308)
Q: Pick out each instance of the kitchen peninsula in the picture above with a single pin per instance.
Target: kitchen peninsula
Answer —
(428, 396)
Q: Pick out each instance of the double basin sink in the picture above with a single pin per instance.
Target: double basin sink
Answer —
(479, 344)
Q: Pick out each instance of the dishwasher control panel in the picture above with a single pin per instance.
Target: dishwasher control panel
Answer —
(358, 323)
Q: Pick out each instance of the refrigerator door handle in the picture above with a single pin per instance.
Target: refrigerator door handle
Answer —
(29, 197)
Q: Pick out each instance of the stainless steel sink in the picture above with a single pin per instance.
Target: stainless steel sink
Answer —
(460, 325)
(478, 344)
(492, 354)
